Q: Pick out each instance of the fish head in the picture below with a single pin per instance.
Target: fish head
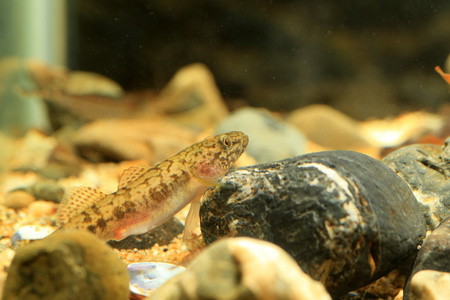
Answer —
(211, 158)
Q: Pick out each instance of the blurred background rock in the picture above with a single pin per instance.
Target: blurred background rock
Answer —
(366, 59)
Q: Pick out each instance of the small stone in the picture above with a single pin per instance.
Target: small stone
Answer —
(434, 254)
(328, 127)
(31, 232)
(388, 286)
(18, 199)
(67, 265)
(48, 190)
(271, 138)
(146, 277)
(399, 296)
(242, 268)
(430, 285)
(40, 209)
(346, 218)
(33, 151)
(425, 170)
(6, 257)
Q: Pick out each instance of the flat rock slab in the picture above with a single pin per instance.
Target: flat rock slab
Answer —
(345, 217)
(271, 138)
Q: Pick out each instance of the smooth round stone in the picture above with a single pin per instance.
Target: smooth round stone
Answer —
(146, 277)
(41, 209)
(270, 138)
(430, 285)
(328, 127)
(70, 264)
(242, 268)
(18, 199)
(48, 190)
(346, 218)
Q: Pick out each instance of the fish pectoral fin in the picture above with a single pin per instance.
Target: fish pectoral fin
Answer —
(192, 219)
(131, 174)
(75, 201)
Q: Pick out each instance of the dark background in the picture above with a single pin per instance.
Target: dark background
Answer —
(365, 58)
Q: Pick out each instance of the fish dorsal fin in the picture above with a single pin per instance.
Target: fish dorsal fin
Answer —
(131, 174)
(76, 200)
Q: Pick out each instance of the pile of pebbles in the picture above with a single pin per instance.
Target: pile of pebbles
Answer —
(324, 225)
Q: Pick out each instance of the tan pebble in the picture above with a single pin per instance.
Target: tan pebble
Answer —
(130, 257)
(6, 242)
(18, 199)
(6, 257)
(41, 209)
(399, 295)
(430, 285)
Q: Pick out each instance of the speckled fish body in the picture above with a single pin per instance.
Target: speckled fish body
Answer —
(147, 197)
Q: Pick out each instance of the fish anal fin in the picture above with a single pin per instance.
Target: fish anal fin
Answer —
(131, 174)
(75, 201)
(192, 219)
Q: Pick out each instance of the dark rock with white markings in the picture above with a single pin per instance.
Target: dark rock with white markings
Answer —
(434, 255)
(426, 169)
(346, 218)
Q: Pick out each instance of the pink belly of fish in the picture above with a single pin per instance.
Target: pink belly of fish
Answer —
(149, 218)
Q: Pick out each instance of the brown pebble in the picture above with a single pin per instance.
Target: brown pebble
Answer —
(18, 199)
(41, 209)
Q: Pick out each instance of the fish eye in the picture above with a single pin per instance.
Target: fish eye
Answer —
(226, 142)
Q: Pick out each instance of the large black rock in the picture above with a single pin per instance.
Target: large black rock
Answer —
(346, 218)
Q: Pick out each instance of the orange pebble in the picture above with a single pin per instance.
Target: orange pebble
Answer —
(41, 208)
